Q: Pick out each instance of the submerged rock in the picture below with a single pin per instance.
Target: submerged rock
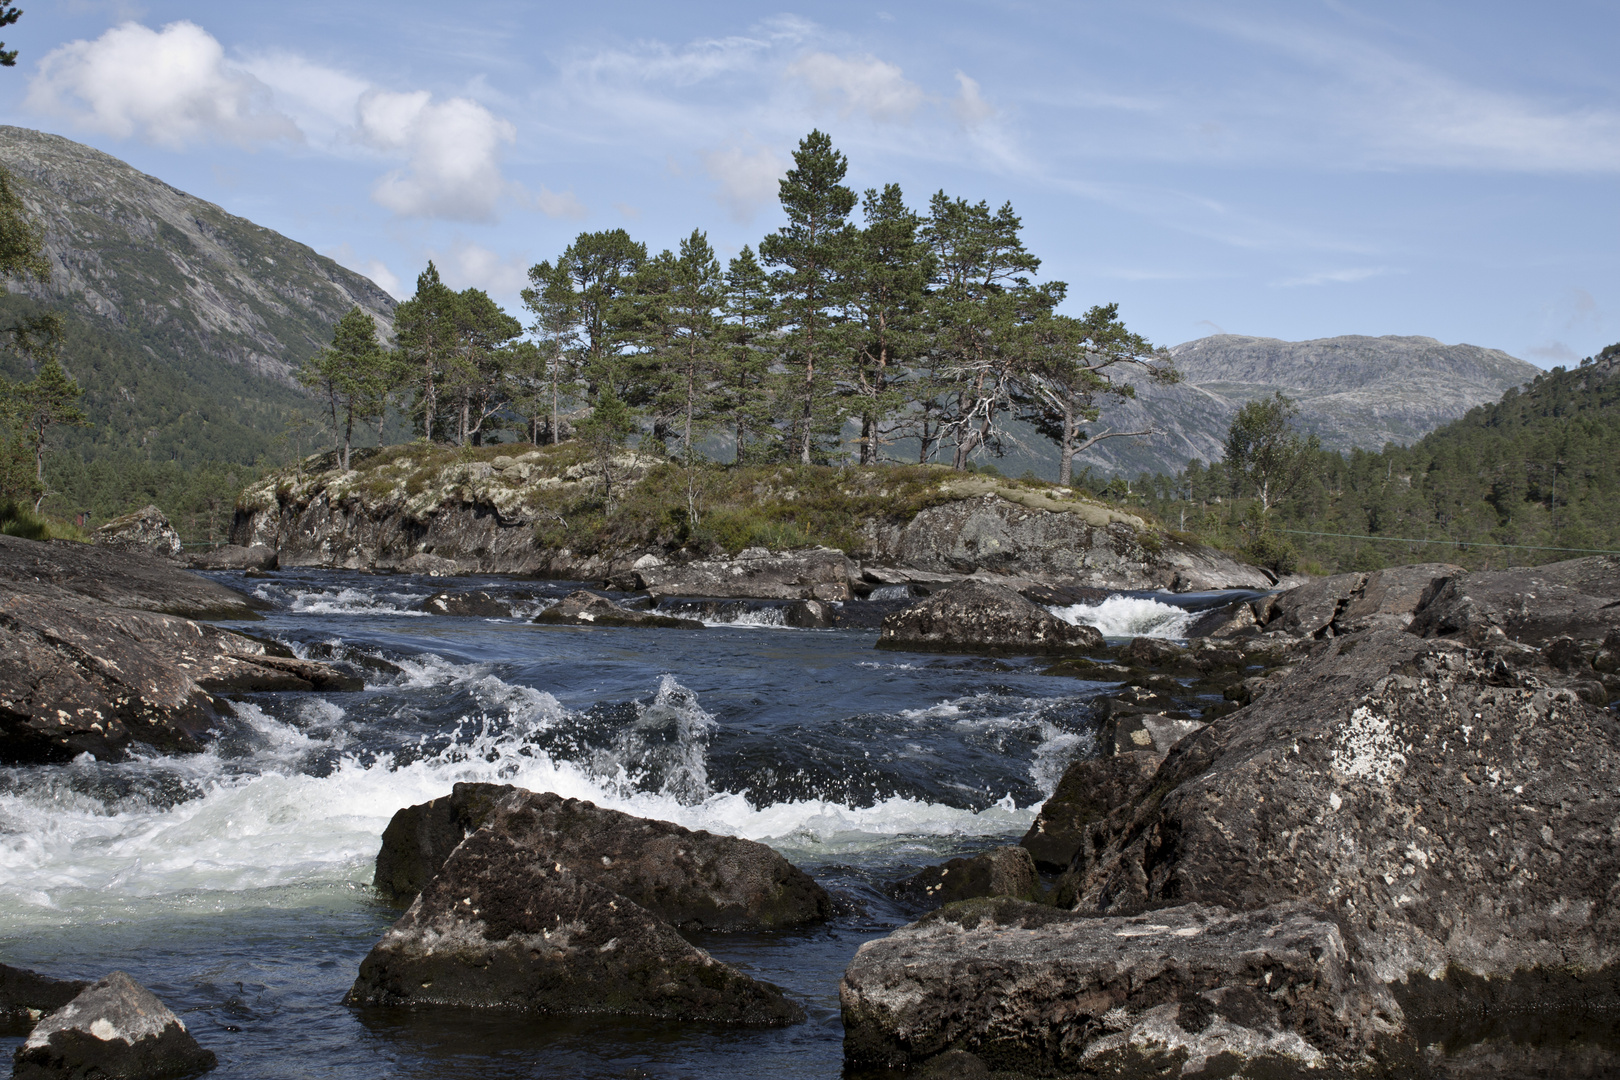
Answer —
(26, 996)
(1029, 990)
(477, 604)
(695, 880)
(582, 608)
(145, 530)
(116, 1028)
(1006, 871)
(499, 927)
(974, 616)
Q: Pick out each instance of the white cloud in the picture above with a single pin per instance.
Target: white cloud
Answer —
(747, 180)
(969, 105)
(470, 266)
(1554, 352)
(171, 86)
(860, 84)
(557, 204)
(386, 279)
(452, 149)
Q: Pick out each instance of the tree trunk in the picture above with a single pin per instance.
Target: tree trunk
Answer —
(348, 435)
(1066, 451)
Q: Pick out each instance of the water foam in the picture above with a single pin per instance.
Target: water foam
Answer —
(285, 811)
(342, 601)
(1129, 616)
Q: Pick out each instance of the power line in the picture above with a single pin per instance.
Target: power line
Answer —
(1452, 543)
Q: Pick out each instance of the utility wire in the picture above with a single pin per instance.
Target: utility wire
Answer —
(1452, 543)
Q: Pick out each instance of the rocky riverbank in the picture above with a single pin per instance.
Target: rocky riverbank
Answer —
(1397, 859)
(100, 649)
(539, 511)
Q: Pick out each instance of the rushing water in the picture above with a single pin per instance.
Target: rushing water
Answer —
(236, 883)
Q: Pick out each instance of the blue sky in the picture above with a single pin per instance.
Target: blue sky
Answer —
(1293, 170)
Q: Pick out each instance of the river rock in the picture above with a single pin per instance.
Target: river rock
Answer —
(1346, 603)
(972, 616)
(1089, 791)
(146, 530)
(1451, 810)
(26, 996)
(428, 565)
(499, 928)
(582, 608)
(1187, 990)
(695, 880)
(79, 676)
(476, 604)
(1579, 598)
(1006, 871)
(125, 579)
(116, 1028)
(814, 574)
(236, 557)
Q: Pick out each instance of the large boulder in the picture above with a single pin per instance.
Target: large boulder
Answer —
(1450, 808)
(1346, 603)
(80, 676)
(498, 927)
(1579, 598)
(584, 608)
(977, 617)
(1088, 792)
(1187, 990)
(476, 604)
(116, 1028)
(26, 996)
(814, 574)
(1005, 871)
(145, 530)
(695, 880)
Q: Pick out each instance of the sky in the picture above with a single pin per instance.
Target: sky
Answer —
(1293, 170)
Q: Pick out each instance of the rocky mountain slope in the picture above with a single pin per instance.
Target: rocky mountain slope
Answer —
(1353, 391)
(179, 315)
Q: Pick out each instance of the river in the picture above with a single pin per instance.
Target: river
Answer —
(235, 883)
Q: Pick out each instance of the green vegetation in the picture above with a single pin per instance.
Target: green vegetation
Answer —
(1537, 469)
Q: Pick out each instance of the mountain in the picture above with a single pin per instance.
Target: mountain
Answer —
(1353, 391)
(183, 323)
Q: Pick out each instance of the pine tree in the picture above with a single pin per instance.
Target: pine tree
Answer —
(888, 281)
(747, 388)
(32, 408)
(425, 333)
(355, 375)
(599, 265)
(814, 251)
(550, 367)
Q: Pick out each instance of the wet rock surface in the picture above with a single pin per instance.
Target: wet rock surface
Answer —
(1007, 871)
(26, 996)
(146, 530)
(115, 1028)
(477, 604)
(1090, 790)
(1039, 992)
(694, 880)
(973, 616)
(499, 929)
(583, 608)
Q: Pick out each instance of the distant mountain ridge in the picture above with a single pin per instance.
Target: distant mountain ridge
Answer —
(1353, 391)
(179, 314)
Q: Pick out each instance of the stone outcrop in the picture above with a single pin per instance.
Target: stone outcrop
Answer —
(137, 581)
(116, 1028)
(1037, 992)
(814, 574)
(235, 557)
(27, 996)
(81, 674)
(1006, 871)
(694, 880)
(976, 617)
(1579, 598)
(498, 928)
(1090, 790)
(583, 608)
(145, 530)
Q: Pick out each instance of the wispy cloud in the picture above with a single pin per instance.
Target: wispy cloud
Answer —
(1343, 276)
(860, 84)
(746, 180)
